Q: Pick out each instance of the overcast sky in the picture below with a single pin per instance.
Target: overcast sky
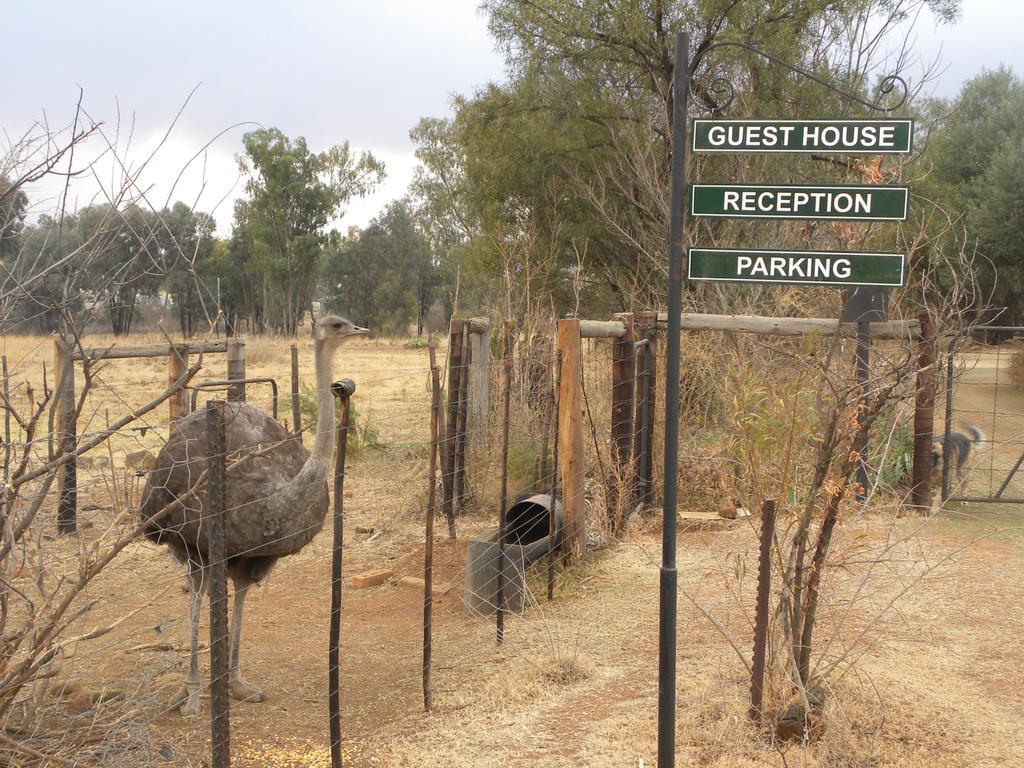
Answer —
(330, 70)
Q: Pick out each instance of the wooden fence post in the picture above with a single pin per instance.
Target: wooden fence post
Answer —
(924, 415)
(764, 584)
(623, 388)
(506, 398)
(428, 532)
(479, 374)
(7, 439)
(177, 364)
(646, 325)
(296, 406)
(461, 428)
(553, 531)
(66, 428)
(570, 444)
(217, 557)
(235, 354)
(453, 380)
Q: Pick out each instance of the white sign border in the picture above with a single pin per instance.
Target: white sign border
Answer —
(801, 151)
(797, 217)
(847, 284)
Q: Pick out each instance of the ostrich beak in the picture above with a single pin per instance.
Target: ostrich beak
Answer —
(358, 331)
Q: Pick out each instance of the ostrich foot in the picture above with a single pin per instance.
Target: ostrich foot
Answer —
(186, 700)
(242, 691)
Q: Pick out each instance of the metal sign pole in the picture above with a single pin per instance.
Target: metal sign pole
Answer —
(863, 372)
(668, 583)
(342, 390)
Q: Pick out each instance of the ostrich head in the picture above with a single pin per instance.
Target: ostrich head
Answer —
(333, 330)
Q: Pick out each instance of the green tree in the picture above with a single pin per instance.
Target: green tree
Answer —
(187, 239)
(43, 277)
(558, 178)
(244, 270)
(293, 194)
(122, 251)
(976, 155)
(384, 275)
(13, 205)
(226, 278)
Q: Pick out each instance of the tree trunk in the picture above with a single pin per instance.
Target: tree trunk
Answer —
(121, 308)
(811, 595)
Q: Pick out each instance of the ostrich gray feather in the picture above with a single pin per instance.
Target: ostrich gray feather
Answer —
(276, 502)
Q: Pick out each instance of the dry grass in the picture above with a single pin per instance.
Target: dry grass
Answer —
(913, 702)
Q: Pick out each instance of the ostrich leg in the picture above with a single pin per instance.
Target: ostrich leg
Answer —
(240, 689)
(187, 697)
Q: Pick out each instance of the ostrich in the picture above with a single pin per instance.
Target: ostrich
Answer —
(276, 502)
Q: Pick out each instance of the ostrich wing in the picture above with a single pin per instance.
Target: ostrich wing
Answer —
(267, 514)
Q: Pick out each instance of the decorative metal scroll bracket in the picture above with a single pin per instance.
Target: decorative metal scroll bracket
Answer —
(723, 85)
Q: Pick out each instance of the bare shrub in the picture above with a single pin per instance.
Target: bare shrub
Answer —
(45, 599)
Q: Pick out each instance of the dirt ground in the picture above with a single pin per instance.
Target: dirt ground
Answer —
(932, 611)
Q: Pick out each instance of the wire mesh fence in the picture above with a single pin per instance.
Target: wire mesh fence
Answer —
(127, 654)
(979, 450)
(129, 651)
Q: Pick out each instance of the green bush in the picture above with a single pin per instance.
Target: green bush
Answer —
(361, 433)
(522, 466)
(307, 404)
(897, 465)
(417, 342)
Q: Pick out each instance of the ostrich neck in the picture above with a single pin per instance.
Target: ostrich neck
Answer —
(323, 445)
(303, 492)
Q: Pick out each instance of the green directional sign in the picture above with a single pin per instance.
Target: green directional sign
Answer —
(734, 265)
(849, 137)
(794, 201)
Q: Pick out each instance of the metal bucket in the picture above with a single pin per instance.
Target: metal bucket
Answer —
(527, 539)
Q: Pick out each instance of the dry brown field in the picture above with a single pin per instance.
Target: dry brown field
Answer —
(936, 629)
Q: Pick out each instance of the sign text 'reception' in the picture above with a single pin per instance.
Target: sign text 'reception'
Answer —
(755, 201)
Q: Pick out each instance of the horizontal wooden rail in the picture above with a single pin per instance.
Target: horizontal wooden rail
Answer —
(478, 324)
(793, 326)
(151, 350)
(602, 329)
(773, 326)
